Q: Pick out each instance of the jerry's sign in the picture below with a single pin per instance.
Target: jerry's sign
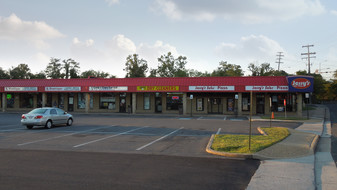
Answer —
(300, 83)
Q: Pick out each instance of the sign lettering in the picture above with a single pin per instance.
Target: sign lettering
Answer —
(211, 88)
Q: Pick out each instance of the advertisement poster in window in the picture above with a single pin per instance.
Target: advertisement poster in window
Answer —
(200, 106)
(230, 104)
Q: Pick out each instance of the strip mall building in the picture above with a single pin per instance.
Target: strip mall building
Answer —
(199, 95)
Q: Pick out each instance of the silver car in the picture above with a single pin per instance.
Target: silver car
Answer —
(46, 117)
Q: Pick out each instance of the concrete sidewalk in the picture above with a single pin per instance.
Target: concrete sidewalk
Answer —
(295, 164)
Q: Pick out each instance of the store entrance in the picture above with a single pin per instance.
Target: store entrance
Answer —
(215, 106)
(260, 103)
(158, 102)
(70, 102)
(122, 102)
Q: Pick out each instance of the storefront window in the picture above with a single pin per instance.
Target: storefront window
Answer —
(278, 102)
(147, 101)
(81, 101)
(49, 100)
(61, 101)
(26, 100)
(245, 102)
(107, 101)
(39, 101)
(230, 104)
(91, 101)
(173, 101)
(200, 104)
(10, 100)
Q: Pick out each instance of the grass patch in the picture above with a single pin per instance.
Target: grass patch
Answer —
(240, 143)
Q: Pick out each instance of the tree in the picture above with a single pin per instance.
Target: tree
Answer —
(22, 71)
(96, 74)
(40, 75)
(71, 68)
(280, 73)
(169, 66)
(54, 68)
(335, 74)
(4, 74)
(319, 85)
(226, 69)
(261, 70)
(135, 67)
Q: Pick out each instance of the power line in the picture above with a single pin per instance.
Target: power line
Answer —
(308, 54)
(278, 60)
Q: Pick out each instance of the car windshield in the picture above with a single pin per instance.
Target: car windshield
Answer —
(38, 111)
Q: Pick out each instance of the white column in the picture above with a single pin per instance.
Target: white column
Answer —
(44, 99)
(240, 103)
(87, 102)
(134, 102)
(299, 104)
(185, 104)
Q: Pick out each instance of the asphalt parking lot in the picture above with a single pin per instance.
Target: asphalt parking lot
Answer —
(116, 151)
(163, 135)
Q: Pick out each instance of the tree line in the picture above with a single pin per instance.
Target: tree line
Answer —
(56, 69)
(168, 66)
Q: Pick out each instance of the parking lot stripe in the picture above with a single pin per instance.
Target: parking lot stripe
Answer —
(140, 148)
(101, 139)
(22, 144)
(218, 132)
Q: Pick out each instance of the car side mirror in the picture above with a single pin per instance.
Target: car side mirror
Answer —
(65, 112)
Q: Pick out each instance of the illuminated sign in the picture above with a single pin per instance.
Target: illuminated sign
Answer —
(60, 89)
(267, 88)
(300, 83)
(108, 88)
(175, 97)
(211, 88)
(158, 88)
(20, 89)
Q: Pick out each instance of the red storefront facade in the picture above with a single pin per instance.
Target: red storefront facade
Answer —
(201, 95)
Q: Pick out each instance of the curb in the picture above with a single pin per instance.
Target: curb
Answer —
(312, 147)
(226, 154)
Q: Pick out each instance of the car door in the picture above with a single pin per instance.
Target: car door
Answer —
(62, 116)
(54, 116)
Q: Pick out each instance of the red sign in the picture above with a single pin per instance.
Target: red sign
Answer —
(301, 83)
(285, 102)
(175, 97)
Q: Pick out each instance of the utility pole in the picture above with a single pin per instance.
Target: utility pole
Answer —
(278, 60)
(308, 54)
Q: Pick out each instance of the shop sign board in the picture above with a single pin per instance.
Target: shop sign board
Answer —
(158, 88)
(267, 88)
(21, 89)
(300, 83)
(108, 88)
(211, 88)
(62, 89)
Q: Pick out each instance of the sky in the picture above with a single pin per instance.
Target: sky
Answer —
(100, 34)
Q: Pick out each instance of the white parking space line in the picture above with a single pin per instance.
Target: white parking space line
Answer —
(32, 142)
(101, 139)
(140, 148)
(218, 132)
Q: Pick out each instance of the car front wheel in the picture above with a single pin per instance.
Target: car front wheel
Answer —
(49, 124)
(69, 122)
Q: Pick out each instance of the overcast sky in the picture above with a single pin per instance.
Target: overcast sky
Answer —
(100, 34)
